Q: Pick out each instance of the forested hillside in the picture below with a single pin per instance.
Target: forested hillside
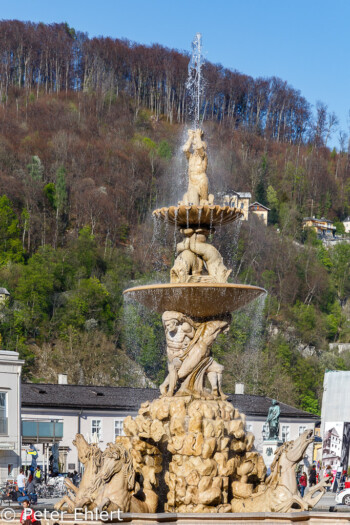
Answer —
(90, 135)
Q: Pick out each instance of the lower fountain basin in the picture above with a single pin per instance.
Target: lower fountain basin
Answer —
(199, 300)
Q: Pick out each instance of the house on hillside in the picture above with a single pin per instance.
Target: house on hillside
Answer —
(260, 210)
(239, 199)
(4, 294)
(323, 227)
(346, 223)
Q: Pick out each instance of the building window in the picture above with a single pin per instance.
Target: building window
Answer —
(302, 429)
(96, 428)
(118, 427)
(3, 413)
(285, 432)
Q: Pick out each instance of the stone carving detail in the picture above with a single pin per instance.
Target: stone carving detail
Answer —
(279, 492)
(207, 444)
(91, 457)
(189, 360)
(197, 192)
(109, 479)
(193, 254)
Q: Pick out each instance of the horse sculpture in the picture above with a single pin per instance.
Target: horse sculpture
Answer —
(91, 457)
(280, 491)
(109, 479)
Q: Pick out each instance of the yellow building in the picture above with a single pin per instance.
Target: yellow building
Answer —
(322, 227)
(260, 210)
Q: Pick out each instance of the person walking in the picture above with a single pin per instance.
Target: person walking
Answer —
(21, 481)
(312, 476)
(302, 484)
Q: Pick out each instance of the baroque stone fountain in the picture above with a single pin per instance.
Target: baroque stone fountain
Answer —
(188, 451)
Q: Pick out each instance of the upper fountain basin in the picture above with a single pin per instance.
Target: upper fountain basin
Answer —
(201, 300)
(186, 215)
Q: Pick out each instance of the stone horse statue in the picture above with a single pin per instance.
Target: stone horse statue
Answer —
(280, 491)
(115, 486)
(109, 479)
(91, 457)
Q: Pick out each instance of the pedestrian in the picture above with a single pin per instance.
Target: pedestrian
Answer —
(312, 476)
(302, 484)
(75, 478)
(21, 481)
(28, 515)
(37, 475)
(30, 490)
(329, 475)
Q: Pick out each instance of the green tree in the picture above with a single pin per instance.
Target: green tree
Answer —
(11, 248)
(271, 197)
(340, 257)
(164, 150)
(35, 169)
(340, 227)
(50, 193)
(87, 305)
(61, 198)
(261, 187)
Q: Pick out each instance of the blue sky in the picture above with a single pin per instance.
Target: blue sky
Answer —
(305, 42)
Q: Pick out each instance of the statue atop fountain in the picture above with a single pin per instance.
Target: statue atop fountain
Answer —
(197, 192)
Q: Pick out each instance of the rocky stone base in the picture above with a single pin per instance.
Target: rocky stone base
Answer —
(207, 455)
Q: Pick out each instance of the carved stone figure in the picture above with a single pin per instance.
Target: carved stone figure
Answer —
(188, 351)
(279, 493)
(197, 192)
(194, 252)
(273, 420)
(109, 483)
(91, 457)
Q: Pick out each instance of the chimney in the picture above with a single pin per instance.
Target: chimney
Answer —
(239, 388)
(62, 379)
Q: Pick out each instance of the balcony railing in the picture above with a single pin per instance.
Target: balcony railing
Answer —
(41, 430)
(3, 426)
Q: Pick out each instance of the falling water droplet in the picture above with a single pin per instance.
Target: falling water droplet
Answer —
(211, 222)
(175, 227)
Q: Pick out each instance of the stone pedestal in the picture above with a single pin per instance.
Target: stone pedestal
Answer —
(205, 450)
(269, 448)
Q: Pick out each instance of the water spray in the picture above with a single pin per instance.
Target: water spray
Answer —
(195, 84)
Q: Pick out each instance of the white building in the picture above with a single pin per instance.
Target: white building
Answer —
(10, 415)
(346, 223)
(334, 405)
(99, 412)
(332, 445)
